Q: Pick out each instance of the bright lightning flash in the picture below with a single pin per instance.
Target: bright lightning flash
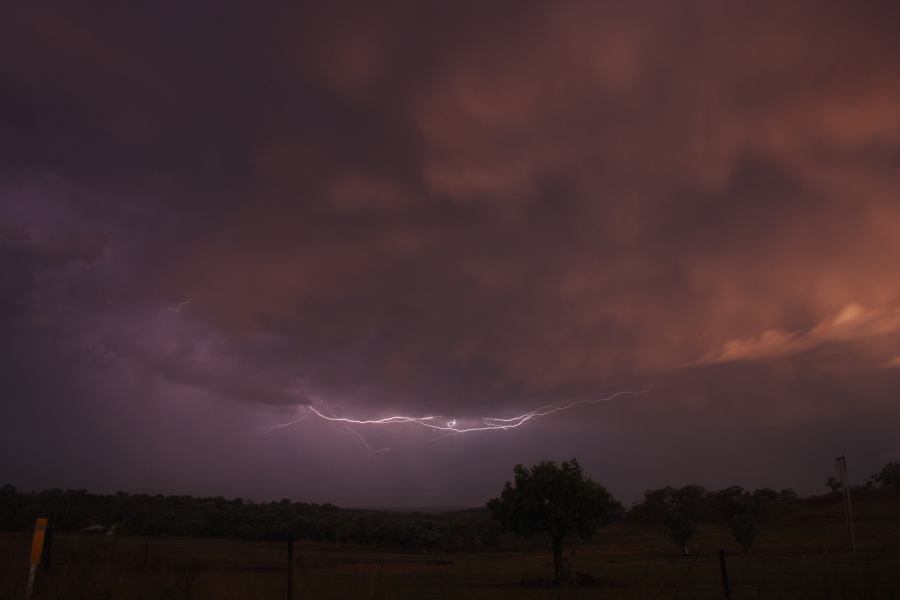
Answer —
(452, 426)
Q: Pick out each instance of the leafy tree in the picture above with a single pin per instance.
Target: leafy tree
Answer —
(681, 530)
(889, 476)
(765, 495)
(767, 503)
(556, 500)
(833, 484)
(730, 501)
(744, 528)
(788, 496)
(676, 511)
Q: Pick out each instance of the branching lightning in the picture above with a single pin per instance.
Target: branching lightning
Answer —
(446, 426)
(452, 425)
(278, 426)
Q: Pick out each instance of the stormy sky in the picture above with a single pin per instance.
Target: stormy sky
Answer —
(214, 214)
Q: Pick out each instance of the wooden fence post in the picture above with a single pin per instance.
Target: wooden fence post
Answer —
(290, 567)
(37, 547)
(724, 575)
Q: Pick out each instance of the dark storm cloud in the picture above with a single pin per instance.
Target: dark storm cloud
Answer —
(464, 209)
(23, 257)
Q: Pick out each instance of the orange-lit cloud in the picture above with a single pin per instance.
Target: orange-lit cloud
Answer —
(853, 322)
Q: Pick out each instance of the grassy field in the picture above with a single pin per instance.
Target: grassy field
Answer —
(803, 555)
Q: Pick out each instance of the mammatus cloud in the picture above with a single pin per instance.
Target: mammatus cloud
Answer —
(853, 322)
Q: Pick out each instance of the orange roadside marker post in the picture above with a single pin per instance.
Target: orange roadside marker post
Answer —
(37, 547)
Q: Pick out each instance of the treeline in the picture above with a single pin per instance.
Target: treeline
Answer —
(679, 511)
(676, 511)
(72, 511)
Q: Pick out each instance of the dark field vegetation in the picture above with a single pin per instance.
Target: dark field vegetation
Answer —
(800, 551)
(72, 511)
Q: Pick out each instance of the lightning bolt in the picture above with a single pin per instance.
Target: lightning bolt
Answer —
(346, 425)
(452, 426)
(278, 426)
(180, 305)
(443, 425)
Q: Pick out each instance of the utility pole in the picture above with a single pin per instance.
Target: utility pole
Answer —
(840, 464)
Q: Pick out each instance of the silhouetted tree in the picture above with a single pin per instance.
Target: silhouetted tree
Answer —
(681, 530)
(767, 503)
(730, 501)
(556, 500)
(889, 476)
(744, 528)
(675, 511)
(833, 484)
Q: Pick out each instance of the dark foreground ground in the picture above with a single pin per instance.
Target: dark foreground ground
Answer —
(803, 555)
